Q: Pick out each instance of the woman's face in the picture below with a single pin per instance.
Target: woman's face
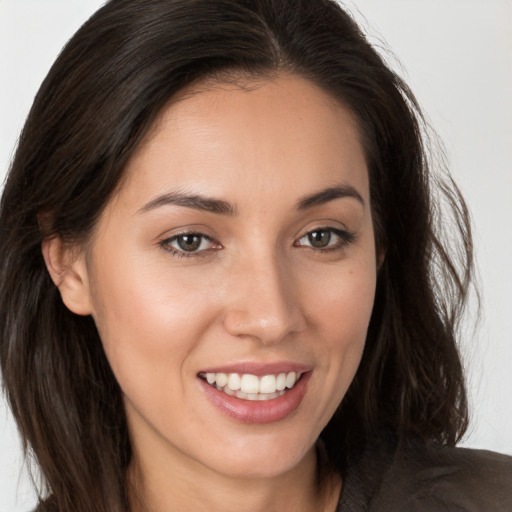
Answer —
(239, 251)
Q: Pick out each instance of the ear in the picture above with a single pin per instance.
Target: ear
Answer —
(381, 257)
(68, 271)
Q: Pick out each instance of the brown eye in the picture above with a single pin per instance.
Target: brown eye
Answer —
(326, 239)
(320, 238)
(190, 242)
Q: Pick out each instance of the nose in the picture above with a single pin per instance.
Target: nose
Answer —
(263, 302)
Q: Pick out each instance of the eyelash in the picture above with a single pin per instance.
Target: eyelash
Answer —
(345, 238)
(180, 253)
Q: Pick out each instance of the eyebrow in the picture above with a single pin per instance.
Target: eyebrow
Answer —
(329, 194)
(221, 207)
(196, 201)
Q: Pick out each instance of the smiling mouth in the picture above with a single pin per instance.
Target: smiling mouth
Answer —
(251, 387)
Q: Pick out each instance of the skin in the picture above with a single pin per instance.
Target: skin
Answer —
(255, 291)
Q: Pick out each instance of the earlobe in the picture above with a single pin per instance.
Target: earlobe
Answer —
(69, 274)
(381, 257)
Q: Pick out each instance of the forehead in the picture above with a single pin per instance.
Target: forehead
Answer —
(264, 133)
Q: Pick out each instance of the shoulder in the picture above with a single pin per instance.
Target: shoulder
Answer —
(413, 476)
(453, 478)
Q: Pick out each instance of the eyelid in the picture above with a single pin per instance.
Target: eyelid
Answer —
(166, 241)
(346, 237)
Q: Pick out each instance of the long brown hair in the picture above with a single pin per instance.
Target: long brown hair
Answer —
(96, 104)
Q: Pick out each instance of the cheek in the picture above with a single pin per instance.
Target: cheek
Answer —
(150, 322)
(341, 304)
(341, 300)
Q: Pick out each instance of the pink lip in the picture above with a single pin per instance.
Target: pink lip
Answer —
(248, 411)
(260, 369)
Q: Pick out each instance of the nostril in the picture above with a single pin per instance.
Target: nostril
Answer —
(264, 325)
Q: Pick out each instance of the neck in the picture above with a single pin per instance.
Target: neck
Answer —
(154, 488)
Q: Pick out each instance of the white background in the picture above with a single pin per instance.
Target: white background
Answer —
(457, 56)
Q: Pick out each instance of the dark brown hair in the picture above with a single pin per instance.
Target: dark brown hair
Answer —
(96, 104)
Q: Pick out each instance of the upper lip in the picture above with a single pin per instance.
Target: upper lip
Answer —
(259, 368)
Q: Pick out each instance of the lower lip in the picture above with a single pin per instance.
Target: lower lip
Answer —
(256, 411)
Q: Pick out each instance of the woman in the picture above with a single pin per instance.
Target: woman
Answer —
(221, 271)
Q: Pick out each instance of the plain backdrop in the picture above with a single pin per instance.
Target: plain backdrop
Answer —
(457, 57)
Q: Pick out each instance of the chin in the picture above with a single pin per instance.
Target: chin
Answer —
(261, 458)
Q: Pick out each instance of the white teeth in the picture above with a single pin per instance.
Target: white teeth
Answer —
(268, 384)
(252, 387)
(234, 381)
(291, 379)
(250, 383)
(228, 391)
(221, 379)
(281, 381)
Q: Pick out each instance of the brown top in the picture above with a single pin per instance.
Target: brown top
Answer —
(413, 476)
(416, 477)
